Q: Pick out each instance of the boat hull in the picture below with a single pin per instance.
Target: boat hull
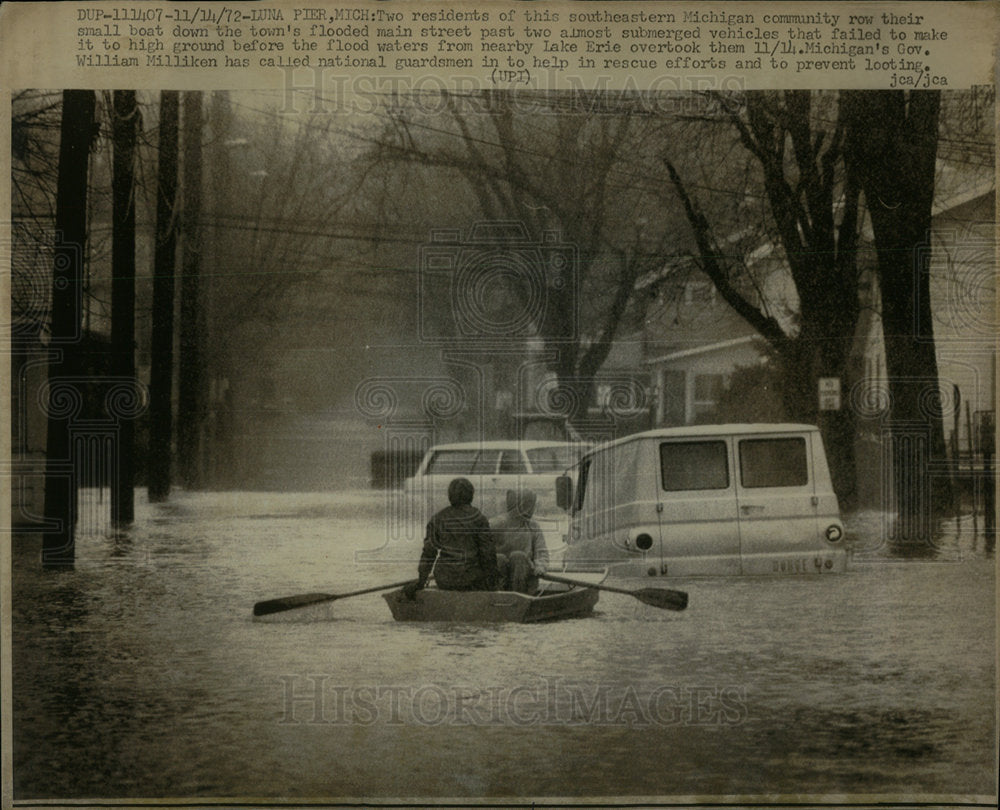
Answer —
(433, 605)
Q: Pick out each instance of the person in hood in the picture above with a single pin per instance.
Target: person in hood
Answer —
(521, 552)
(458, 546)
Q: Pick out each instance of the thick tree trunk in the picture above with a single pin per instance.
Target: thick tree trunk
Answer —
(189, 403)
(125, 116)
(162, 349)
(76, 132)
(893, 150)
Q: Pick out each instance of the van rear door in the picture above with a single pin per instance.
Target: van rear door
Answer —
(777, 504)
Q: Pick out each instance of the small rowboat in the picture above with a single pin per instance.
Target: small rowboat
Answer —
(555, 601)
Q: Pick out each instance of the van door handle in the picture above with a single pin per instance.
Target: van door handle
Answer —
(751, 508)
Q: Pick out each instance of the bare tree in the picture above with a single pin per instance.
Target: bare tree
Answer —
(795, 142)
(555, 167)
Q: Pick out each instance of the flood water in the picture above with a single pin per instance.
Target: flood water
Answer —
(140, 674)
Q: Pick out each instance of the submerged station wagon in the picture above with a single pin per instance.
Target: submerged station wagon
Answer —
(493, 467)
(706, 499)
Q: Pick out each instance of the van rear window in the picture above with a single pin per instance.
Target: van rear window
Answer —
(773, 462)
(694, 465)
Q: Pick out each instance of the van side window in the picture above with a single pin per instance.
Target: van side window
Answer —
(694, 465)
(773, 463)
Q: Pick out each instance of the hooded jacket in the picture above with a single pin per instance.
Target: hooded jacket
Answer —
(516, 531)
(459, 545)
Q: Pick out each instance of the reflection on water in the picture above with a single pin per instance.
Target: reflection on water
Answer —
(872, 534)
(139, 673)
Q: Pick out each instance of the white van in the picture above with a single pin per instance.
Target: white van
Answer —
(493, 467)
(706, 499)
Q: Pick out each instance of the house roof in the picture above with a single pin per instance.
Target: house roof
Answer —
(704, 349)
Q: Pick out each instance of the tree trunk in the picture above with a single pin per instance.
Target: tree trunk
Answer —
(124, 117)
(221, 471)
(76, 132)
(189, 403)
(162, 348)
(893, 150)
(805, 360)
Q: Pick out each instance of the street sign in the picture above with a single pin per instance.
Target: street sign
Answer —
(829, 393)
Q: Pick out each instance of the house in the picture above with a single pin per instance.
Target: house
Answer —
(961, 263)
(692, 342)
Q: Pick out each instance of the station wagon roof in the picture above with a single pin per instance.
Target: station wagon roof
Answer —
(500, 444)
(709, 431)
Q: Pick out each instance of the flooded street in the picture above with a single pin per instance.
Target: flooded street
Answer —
(140, 674)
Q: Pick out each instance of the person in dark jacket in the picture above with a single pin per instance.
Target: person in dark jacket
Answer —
(458, 546)
(521, 551)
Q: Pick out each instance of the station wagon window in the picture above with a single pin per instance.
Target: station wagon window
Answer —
(486, 462)
(552, 459)
(512, 463)
(774, 462)
(463, 462)
(452, 462)
(694, 465)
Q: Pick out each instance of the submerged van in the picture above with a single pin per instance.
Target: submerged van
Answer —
(706, 499)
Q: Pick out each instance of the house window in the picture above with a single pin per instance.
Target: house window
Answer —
(699, 292)
(673, 397)
(707, 392)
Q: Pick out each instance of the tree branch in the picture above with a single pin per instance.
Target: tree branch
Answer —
(709, 255)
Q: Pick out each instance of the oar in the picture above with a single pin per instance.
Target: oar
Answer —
(657, 597)
(304, 599)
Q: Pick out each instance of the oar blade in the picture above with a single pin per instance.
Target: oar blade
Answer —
(664, 598)
(290, 603)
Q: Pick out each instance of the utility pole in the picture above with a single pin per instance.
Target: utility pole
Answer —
(76, 132)
(189, 402)
(162, 341)
(124, 125)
